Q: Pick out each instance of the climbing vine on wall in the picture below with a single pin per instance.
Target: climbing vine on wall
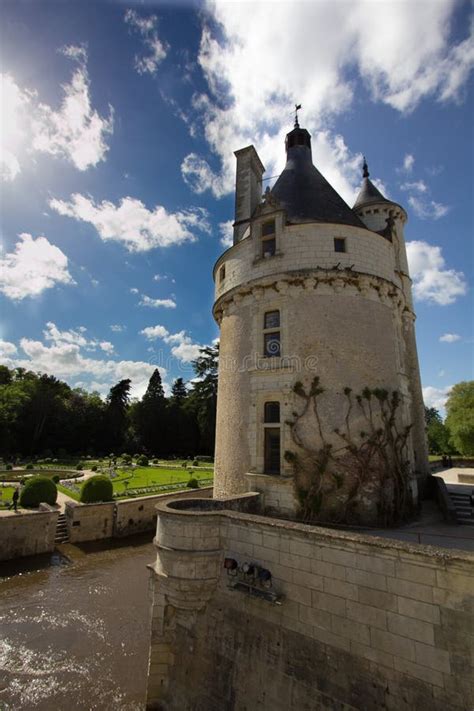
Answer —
(337, 478)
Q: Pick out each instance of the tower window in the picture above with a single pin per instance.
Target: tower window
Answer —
(222, 273)
(339, 244)
(268, 239)
(272, 450)
(271, 334)
(272, 412)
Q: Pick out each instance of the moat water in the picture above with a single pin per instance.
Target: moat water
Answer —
(74, 629)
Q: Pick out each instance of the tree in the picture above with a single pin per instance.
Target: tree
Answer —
(460, 417)
(179, 392)
(149, 416)
(116, 415)
(203, 398)
(437, 432)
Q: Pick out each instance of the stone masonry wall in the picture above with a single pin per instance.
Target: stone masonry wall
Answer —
(116, 519)
(364, 623)
(27, 533)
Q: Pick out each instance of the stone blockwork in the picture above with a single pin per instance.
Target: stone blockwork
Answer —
(28, 532)
(116, 519)
(363, 623)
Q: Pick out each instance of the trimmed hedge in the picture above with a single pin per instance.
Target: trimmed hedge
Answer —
(38, 490)
(96, 489)
(193, 484)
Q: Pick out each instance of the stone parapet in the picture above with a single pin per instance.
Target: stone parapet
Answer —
(361, 622)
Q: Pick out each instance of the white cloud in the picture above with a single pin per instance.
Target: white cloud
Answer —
(441, 373)
(34, 266)
(76, 131)
(227, 233)
(76, 337)
(432, 281)
(450, 337)
(117, 327)
(52, 333)
(401, 55)
(64, 360)
(154, 332)
(427, 209)
(408, 162)
(134, 290)
(107, 347)
(7, 349)
(157, 49)
(182, 346)
(436, 397)
(132, 224)
(418, 186)
(157, 303)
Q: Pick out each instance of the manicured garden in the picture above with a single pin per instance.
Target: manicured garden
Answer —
(143, 481)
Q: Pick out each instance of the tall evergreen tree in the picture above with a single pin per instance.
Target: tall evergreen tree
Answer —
(116, 415)
(179, 392)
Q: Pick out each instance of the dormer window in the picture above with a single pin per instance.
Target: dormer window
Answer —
(339, 244)
(268, 239)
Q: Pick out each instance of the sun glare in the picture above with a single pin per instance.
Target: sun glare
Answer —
(12, 125)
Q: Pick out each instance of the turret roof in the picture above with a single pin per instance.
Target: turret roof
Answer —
(304, 192)
(368, 193)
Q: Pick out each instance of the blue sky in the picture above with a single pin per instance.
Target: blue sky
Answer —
(119, 123)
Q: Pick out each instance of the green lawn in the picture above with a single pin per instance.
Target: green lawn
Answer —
(141, 481)
(6, 493)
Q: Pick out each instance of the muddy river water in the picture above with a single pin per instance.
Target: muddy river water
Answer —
(74, 634)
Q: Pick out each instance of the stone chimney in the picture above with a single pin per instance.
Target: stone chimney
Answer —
(248, 188)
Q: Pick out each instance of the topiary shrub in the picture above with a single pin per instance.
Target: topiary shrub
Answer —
(38, 490)
(94, 468)
(55, 478)
(97, 488)
(142, 461)
(29, 466)
(79, 467)
(193, 483)
(196, 463)
(9, 467)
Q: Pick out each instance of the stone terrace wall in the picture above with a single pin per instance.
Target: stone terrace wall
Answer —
(116, 519)
(27, 533)
(364, 623)
(89, 522)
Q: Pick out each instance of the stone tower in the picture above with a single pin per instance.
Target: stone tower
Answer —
(319, 400)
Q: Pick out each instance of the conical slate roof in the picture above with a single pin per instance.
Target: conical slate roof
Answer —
(368, 192)
(303, 192)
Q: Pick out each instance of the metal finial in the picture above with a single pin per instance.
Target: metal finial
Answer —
(365, 167)
(297, 108)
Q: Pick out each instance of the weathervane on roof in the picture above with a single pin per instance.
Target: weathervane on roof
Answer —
(297, 108)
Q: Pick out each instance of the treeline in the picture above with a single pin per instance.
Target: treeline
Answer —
(43, 416)
(456, 434)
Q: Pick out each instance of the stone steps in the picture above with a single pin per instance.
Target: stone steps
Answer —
(62, 535)
(464, 510)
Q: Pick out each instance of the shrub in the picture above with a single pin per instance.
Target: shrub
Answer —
(196, 463)
(29, 466)
(94, 468)
(97, 488)
(126, 459)
(142, 461)
(55, 478)
(38, 490)
(79, 467)
(205, 458)
(193, 483)
(9, 467)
